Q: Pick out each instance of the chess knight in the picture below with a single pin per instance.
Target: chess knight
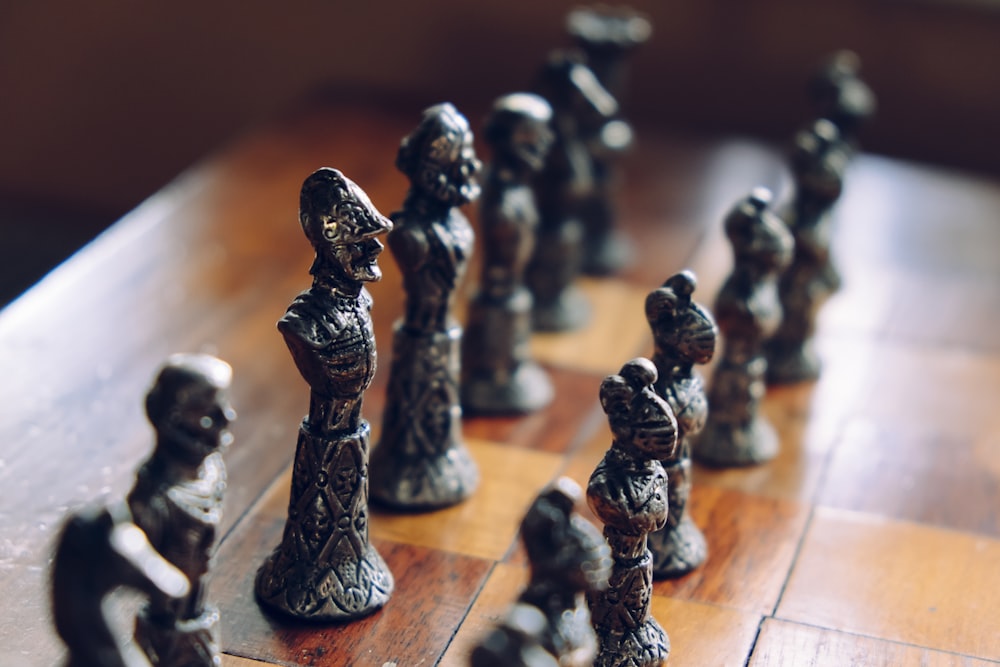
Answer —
(177, 502)
(421, 461)
(325, 568)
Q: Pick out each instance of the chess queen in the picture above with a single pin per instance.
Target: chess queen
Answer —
(325, 568)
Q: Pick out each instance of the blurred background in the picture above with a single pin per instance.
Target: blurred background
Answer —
(104, 102)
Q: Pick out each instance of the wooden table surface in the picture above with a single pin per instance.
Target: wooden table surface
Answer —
(873, 539)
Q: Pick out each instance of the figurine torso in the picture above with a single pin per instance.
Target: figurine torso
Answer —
(508, 218)
(628, 494)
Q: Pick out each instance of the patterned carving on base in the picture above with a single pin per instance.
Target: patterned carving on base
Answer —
(180, 642)
(736, 433)
(325, 568)
(499, 375)
(421, 461)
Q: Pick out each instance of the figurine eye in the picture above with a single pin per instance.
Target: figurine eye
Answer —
(330, 231)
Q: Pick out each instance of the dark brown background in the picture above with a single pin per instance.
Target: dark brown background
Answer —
(104, 102)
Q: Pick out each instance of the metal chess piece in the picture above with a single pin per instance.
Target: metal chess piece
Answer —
(499, 376)
(748, 311)
(628, 492)
(608, 36)
(99, 550)
(838, 94)
(561, 189)
(819, 161)
(569, 560)
(515, 642)
(177, 502)
(325, 568)
(421, 461)
(684, 334)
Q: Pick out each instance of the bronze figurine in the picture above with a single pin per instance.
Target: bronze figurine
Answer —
(628, 492)
(748, 312)
(499, 376)
(97, 551)
(608, 36)
(177, 502)
(561, 189)
(684, 334)
(325, 568)
(819, 161)
(839, 94)
(515, 642)
(421, 461)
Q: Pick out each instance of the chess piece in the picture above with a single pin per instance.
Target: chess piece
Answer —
(177, 502)
(561, 188)
(325, 568)
(607, 35)
(748, 311)
(499, 376)
(569, 560)
(628, 492)
(515, 642)
(421, 461)
(819, 161)
(99, 550)
(838, 94)
(684, 334)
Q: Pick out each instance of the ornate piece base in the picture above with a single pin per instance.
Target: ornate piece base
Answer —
(723, 444)
(180, 643)
(325, 569)
(569, 311)
(421, 461)
(677, 550)
(787, 364)
(624, 642)
(551, 276)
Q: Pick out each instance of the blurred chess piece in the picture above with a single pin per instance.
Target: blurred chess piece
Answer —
(177, 502)
(99, 550)
(838, 93)
(819, 161)
(748, 312)
(499, 376)
(684, 334)
(515, 642)
(325, 568)
(608, 36)
(628, 492)
(421, 461)
(562, 188)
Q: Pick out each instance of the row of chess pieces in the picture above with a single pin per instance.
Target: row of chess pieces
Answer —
(546, 212)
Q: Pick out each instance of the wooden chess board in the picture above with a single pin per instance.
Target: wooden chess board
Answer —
(873, 539)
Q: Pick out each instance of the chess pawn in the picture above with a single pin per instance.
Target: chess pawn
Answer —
(819, 161)
(515, 642)
(561, 188)
(608, 36)
(325, 568)
(177, 502)
(684, 334)
(569, 560)
(499, 376)
(748, 312)
(98, 551)
(628, 492)
(421, 461)
(838, 94)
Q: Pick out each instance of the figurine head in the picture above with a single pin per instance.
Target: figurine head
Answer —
(439, 159)
(604, 28)
(642, 423)
(189, 407)
(682, 329)
(760, 240)
(837, 92)
(565, 550)
(518, 130)
(342, 224)
(819, 161)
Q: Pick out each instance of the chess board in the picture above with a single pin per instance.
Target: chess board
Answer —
(873, 538)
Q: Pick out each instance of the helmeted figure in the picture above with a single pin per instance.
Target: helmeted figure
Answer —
(628, 492)
(97, 551)
(421, 461)
(748, 312)
(684, 334)
(177, 502)
(325, 568)
(498, 374)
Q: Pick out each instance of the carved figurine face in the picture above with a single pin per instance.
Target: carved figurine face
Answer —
(641, 422)
(760, 239)
(439, 157)
(189, 407)
(530, 141)
(682, 329)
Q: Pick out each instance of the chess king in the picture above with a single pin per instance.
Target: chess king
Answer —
(325, 568)
(421, 461)
(177, 502)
